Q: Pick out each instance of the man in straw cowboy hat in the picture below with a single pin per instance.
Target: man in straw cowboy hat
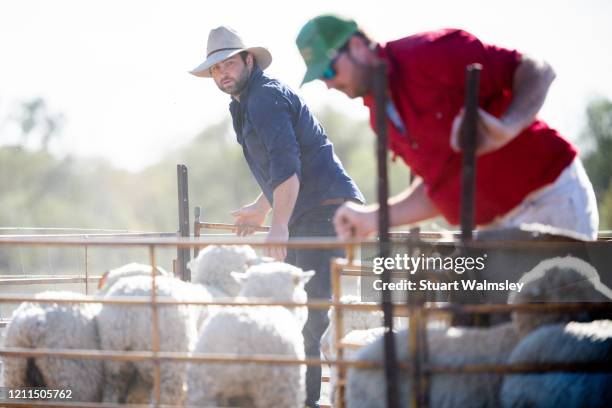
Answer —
(287, 150)
(527, 172)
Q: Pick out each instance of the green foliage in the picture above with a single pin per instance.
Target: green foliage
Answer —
(598, 161)
(40, 190)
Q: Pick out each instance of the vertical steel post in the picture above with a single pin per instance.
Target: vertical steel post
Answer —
(380, 93)
(197, 228)
(468, 141)
(183, 255)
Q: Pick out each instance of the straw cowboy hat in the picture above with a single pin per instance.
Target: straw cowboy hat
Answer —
(223, 43)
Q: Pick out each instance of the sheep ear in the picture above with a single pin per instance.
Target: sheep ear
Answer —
(102, 280)
(306, 276)
(240, 278)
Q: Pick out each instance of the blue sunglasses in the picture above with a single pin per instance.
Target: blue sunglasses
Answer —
(331, 72)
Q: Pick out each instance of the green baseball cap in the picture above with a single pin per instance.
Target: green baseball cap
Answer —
(320, 39)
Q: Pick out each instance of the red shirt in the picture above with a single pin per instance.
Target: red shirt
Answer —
(426, 76)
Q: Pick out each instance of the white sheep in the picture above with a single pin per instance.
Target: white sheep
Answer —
(256, 330)
(562, 343)
(560, 279)
(45, 325)
(213, 266)
(53, 326)
(449, 347)
(132, 269)
(124, 327)
(354, 319)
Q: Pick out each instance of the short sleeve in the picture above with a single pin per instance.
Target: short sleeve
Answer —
(270, 114)
(445, 54)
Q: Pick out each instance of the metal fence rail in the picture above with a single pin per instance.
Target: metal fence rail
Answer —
(339, 268)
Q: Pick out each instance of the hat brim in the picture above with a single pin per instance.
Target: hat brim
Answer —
(261, 54)
(315, 71)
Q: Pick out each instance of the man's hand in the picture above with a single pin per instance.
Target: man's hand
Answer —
(354, 221)
(277, 233)
(249, 217)
(493, 133)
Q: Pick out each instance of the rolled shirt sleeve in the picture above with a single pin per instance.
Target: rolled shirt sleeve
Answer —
(270, 115)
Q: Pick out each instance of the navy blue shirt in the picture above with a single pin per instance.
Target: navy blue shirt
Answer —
(279, 137)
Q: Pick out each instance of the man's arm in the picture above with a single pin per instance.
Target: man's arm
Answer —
(532, 80)
(285, 196)
(530, 86)
(409, 207)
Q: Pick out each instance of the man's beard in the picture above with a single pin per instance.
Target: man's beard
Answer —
(239, 84)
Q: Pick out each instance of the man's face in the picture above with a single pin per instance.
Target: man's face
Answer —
(231, 75)
(353, 76)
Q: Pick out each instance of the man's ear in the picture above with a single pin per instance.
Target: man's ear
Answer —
(250, 60)
(358, 48)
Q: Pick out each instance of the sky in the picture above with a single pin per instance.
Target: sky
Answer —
(118, 70)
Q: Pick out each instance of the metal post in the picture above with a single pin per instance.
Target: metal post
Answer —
(197, 228)
(380, 93)
(183, 209)
(468, 140)
(468, 143)
(155, 330)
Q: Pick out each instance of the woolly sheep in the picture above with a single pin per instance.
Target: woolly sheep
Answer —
(449, 347)
(257, 330)
(126, 271)
(562, 343)
(213, 266)
(55, 325)
(129, 328)
(44, 325)
(353, 319)
(560, 279)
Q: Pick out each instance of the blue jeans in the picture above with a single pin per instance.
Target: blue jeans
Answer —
(316, 222)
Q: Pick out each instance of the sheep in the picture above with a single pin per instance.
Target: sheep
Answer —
(559, 279)
(353, 319)
(55, 325)
(247, 331)
(446, 346)
(562, 343)
(129, 328)
(125, 271)
(359, 327)
(214, 264)
(44, 325)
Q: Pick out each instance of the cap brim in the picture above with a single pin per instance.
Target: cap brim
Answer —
(315, 71)
(261, 54)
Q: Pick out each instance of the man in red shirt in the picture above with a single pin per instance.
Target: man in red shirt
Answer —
(527, 172)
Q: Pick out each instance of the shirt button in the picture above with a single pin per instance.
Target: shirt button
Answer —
(438, 115)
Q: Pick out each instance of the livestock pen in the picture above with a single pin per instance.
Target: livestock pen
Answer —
(418, 367)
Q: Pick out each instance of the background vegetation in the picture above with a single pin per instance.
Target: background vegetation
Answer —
(41, 190)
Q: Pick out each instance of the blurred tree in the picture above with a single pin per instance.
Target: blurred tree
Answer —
(598, 135)
(35, 118)
(598, 157)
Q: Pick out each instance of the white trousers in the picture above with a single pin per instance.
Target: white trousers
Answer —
(568, 203)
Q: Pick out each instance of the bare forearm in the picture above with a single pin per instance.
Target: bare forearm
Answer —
(411, 206)
(262, 203)
(285, 196)
(531, 82)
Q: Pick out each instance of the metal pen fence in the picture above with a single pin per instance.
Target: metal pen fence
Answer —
(418, 367)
